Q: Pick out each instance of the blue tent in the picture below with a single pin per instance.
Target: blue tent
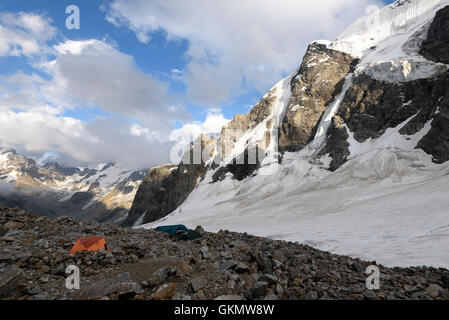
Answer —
(171, 230)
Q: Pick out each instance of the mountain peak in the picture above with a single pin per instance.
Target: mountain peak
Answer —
(8, 150)
(363, 129)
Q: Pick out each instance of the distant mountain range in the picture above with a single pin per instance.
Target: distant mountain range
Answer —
(104, 194)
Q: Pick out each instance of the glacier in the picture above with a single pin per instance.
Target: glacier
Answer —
(387, 203)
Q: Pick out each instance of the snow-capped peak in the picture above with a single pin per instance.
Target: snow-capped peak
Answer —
(388, 40)
(402, 16)
(366, 174)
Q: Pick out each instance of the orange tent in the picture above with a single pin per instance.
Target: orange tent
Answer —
(89, 244)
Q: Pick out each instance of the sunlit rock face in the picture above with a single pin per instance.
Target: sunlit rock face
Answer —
(313, 87)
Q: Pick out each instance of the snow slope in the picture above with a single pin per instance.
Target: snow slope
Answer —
(251, 137)
(387, 203)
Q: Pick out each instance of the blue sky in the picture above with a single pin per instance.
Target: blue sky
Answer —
(200, 61)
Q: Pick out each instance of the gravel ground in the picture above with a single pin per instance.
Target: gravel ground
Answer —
(148, 264)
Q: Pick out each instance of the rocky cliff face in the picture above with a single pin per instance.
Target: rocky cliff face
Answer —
(313, 87)
(166, 187)
(103, 194)
(436, 46)
(361, 115)
(371, 106)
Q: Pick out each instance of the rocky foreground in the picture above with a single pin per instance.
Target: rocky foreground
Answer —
(147, 264)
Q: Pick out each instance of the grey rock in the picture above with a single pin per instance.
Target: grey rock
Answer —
(205, 252)
(3, 230)
(311, 295)
(268, 278)
(128, 290)
(228, 265)
(43, 296)
(435, 290)
(279, 289)
(180, 180)
(259, 289)
(59, 270)
(226, 254)
(34, 291)
(277, 264)
(241, 268)
(8, 282)
(160, 275)
(229, 298)
(264, 262)
(198, 283)
(238, 244)
(371, 295)
(445, 279)
(102, 288)
(199, 229)
(357, 267)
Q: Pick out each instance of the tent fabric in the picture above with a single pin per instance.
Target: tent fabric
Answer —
(180, 232)
(188, 235)
(171, 230)
(94, 243)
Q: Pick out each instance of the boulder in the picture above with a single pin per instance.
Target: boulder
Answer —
(166, 292)
(198, 283)
(9, 279)
(102, 288)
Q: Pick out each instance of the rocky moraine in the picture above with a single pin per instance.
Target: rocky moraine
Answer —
(148, 264)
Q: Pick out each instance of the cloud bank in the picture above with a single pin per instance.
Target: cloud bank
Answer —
(90, 75)
(237, 44)
(234, 46)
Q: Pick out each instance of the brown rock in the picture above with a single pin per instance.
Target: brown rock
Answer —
(313, 88)
(165, 292)
(13, 225)
(183, 269)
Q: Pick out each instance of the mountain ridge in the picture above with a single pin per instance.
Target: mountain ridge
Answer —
(378, 129)
(104, 194)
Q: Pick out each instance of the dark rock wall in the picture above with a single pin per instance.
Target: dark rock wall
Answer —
(166, 188)
(370, 107)
(436, 46)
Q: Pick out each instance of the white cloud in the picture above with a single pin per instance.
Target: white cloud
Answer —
(184, 136)
(235, 42)
(79, 143)
(190, 131)
(95, 73)
(20, 91)
(24, 34)
(90, 73)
